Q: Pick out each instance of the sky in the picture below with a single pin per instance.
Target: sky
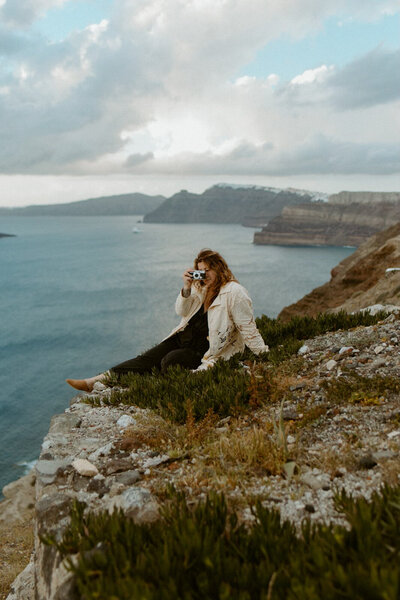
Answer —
(101, 97)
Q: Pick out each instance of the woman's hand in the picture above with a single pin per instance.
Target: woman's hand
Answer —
(187, 283)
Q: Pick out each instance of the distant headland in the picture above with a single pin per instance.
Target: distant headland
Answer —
(285, 217)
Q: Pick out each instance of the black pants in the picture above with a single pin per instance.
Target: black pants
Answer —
(167, 353)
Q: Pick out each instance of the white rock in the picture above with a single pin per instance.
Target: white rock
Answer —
(137, 503)
(393, 434)
(331, 364)
(103, 451)
(346, 349)
(155, 461)
(99, 387)
(378, 349)
(84, 467)
(303, 350)
(291, 439)
(125, 421)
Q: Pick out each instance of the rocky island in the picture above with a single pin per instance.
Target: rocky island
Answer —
(119, 204)
(223, 203)
(347, 219)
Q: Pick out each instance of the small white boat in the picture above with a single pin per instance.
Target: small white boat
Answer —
(136, 230)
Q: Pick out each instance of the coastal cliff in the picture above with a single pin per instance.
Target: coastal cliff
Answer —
(347, 219)
(371, 275)
(252, 206)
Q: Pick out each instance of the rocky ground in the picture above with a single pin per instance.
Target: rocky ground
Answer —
(292, 455)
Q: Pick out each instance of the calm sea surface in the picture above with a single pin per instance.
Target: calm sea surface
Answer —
(78, 295)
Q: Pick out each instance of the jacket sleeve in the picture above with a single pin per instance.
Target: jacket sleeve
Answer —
(183, 305)
(241, 310)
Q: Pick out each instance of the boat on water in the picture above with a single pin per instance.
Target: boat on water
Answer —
(136, 230)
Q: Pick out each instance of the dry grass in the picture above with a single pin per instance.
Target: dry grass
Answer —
(16, 545)
(247, 453)
(331, 461)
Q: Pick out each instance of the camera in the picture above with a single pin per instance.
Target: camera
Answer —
(198, 274)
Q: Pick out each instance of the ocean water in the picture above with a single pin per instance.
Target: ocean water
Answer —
(79, 295)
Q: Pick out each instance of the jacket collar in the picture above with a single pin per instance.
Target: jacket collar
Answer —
(224, 290)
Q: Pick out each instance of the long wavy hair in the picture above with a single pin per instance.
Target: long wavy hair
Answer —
(214, 261)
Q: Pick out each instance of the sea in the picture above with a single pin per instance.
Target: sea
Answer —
(79, 295)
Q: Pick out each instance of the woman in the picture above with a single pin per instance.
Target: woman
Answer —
(216, 322)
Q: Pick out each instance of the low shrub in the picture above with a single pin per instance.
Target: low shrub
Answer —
(175, 395)
(357, 389)
(205, 553)
(277, 333)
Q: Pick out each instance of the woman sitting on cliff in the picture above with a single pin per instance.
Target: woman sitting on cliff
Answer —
(217, 322)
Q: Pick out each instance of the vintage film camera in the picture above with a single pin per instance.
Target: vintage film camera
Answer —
(198, 274)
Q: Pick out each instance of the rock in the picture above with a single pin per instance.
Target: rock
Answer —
(47, 471)
(290, 415)
(309, 508)
(346, 350)
(331, 364)
(23, 587)
(303, 350)
(125, 421)
(393, 434)
(84, 467)
(64, 423)
(154, 462)
(379, 362)
(102, 451)
(367, 462)
(137, 503)
(99, 486)
(312, 481)
(19, 499)
(99, 387)
(127, 477)
(290, 439)
(379, 349)
(118, 464)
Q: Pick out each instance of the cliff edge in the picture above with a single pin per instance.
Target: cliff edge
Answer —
(371, 275)
(347, 219)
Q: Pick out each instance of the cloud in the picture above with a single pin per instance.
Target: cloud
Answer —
(22, 13)
(372, 79)
(155, 89)
(316, 155)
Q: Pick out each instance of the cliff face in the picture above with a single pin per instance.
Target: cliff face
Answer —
(360, 280)
(364, 197)
(343, 222)
(252, 206)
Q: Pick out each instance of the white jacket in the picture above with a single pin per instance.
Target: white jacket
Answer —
(231, 324)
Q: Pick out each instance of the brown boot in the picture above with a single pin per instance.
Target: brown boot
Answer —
(80, 384)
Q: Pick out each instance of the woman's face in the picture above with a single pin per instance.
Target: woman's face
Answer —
(211, 275)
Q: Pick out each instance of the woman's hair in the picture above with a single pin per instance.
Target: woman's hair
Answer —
(214, 261)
